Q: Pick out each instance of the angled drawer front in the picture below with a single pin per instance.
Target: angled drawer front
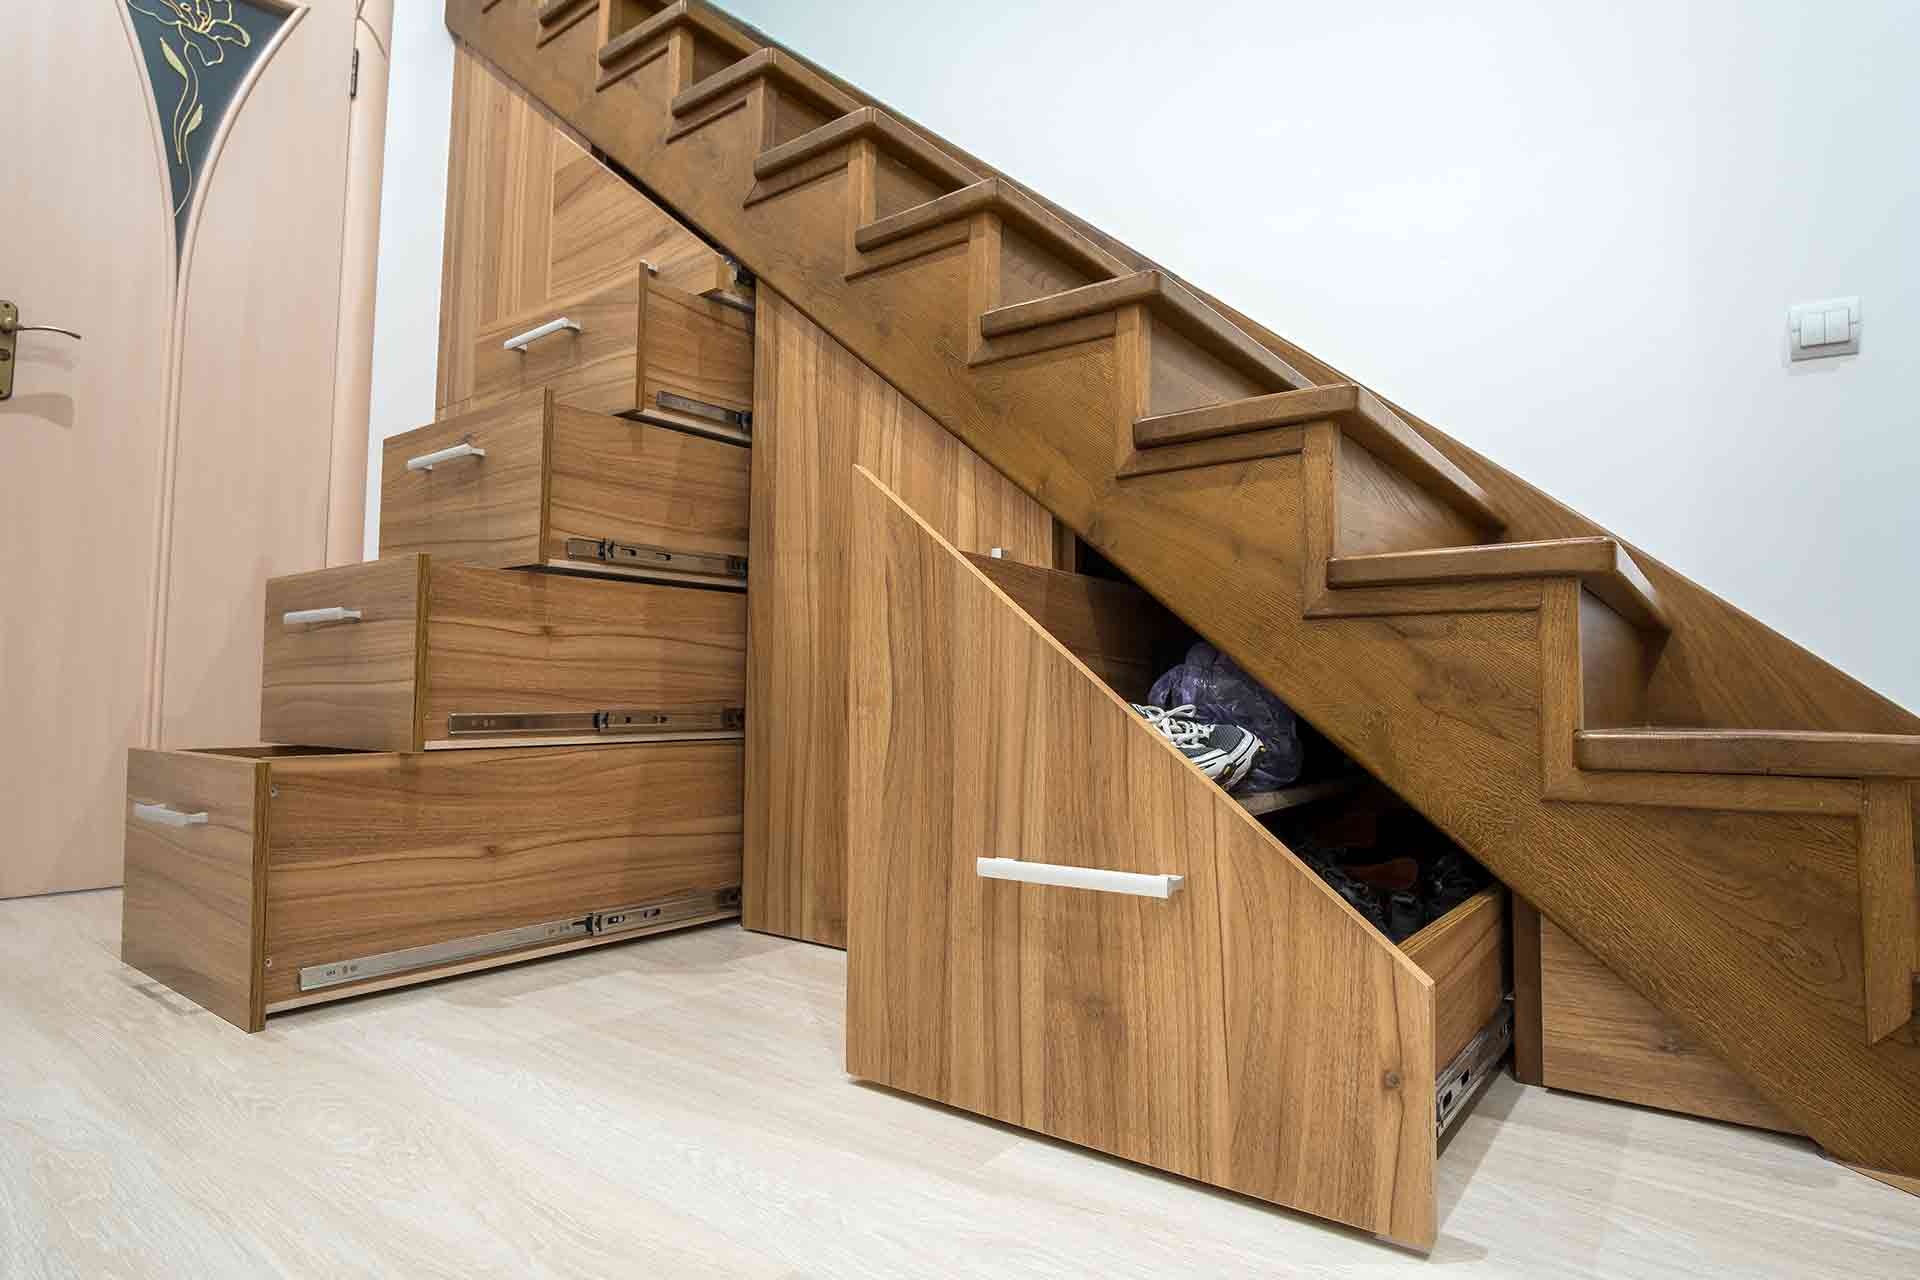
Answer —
(413, 653)
(542, 483)
(263, 878)
(631, 346)
(1248, 1029)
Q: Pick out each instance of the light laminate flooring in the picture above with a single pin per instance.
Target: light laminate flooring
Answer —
(677, 1106)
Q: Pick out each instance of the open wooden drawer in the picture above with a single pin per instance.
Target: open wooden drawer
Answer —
(633, 347)
(1240, 1024)
(266, 878)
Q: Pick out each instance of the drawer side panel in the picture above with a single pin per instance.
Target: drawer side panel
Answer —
(380, 853)
(636, 483)
(502, 641)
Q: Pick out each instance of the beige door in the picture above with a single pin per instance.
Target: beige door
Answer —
(154, 473)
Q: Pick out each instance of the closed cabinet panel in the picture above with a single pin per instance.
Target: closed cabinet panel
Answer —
(1241, 1025)
(818, 413)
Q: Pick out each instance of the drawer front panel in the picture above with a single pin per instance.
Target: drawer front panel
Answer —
(593, 368)
(349, 682)
(500, 641)
(645, 485)
(195, 857)
(478, 509)
(379, 853)
(1251, 1030)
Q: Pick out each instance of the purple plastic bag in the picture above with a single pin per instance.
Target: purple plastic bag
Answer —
(1221, 693)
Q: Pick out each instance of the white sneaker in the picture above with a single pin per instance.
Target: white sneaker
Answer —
(1224, 752)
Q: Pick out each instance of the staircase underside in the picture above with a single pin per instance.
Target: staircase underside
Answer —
(1494, 658)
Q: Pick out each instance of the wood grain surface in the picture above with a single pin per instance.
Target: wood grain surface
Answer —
(373, 853)
(501, 641)
(347, 684)
(1250, 1031)
(193, 912)
(484, 511)
(819, 412)
(1601, 1037)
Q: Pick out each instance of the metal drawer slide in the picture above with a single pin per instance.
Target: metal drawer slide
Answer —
(1471, 1068)
(626, 723)
(634, 555)
(637, 919)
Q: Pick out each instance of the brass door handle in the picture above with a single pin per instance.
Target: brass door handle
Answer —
(10, 329)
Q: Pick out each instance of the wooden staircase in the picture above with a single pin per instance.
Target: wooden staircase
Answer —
(1720, 817)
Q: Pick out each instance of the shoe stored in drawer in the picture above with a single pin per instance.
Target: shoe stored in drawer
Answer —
(416, 653)
(530, 482)
(635, 346)
(264, 878)
(1056, 920)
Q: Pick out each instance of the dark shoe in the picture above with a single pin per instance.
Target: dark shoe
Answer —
(1361, 897)
(1405, 915)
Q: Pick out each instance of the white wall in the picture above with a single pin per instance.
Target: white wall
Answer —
(413, 200)
(1568, 234)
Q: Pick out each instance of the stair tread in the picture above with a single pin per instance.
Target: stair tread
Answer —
(552, 11)
(1787, 752)
(772, 64)
(995, 195)
(1601, 564)
(1168, 298)
(1361, 415)
(688, 13)
(903, 143)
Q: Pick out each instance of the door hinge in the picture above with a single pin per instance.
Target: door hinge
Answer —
(353, 78)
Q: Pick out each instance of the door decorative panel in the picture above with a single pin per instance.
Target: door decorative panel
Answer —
(199, 54)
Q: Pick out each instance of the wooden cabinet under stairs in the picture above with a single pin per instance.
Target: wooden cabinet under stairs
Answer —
(1057, 921)
(1718, 816)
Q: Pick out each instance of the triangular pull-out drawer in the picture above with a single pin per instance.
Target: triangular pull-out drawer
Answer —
(1248, 1030)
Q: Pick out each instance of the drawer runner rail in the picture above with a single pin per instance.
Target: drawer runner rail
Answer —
(738, 419)
(636, 919)
(626, 723)
(634, 555)
(1461, 1082)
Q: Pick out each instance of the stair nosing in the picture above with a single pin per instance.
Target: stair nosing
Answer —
(1599, 561)
(1160, 292)
(903, 143)
(1350, 406)
(768, 63)
(680, 13)
(999, 196)
(1661, 750)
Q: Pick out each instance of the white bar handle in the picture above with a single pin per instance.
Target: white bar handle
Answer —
(300, 617)
(521, 341)
(161, 815)
(465, 449)
(1133, 882)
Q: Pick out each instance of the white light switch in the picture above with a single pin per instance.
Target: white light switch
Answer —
(1829, 328)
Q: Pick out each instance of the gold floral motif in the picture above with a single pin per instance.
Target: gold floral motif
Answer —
(201, 27)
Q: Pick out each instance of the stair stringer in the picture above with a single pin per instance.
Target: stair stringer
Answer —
(1744, 926)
